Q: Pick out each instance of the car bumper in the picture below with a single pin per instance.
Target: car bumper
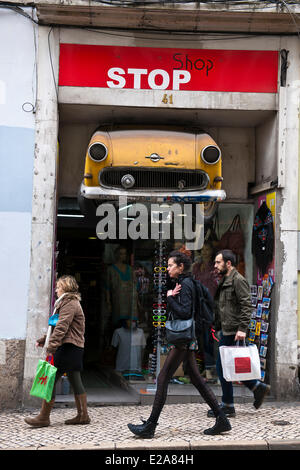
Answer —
(96, 192)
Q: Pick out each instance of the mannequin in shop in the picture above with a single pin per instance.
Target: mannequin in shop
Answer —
(129, 340)
(121, 289)
(203, 270)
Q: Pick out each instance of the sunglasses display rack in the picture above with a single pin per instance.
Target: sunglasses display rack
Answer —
(159, 306)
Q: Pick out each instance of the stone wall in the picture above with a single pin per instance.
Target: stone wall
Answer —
(11, 372)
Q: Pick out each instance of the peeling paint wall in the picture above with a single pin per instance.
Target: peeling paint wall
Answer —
(43, 205)
(286, 361)
(17, 135)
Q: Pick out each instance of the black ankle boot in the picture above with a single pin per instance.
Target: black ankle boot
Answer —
(222, 425)
(145, 430)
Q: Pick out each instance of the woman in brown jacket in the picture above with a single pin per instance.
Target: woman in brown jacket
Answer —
(66, 345)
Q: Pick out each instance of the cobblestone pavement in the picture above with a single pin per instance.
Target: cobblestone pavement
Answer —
(180, 427)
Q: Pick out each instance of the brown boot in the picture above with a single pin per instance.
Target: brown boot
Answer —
(82, 413)
(43, 418)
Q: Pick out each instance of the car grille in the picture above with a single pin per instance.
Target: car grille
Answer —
(155, 179)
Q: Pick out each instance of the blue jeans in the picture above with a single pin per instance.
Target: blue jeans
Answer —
(227, 388)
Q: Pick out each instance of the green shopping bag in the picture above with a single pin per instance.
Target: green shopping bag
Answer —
(43, 383)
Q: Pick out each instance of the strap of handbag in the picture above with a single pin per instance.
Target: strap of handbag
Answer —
(235, 224)
(170, 315)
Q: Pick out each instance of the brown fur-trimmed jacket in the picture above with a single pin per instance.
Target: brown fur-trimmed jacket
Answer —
(70, 326)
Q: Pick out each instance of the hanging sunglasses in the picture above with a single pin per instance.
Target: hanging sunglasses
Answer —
(158, 269)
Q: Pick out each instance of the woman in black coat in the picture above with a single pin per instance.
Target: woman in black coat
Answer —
(180, 302)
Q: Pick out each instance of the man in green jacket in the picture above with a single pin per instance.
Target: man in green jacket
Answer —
(233, 313)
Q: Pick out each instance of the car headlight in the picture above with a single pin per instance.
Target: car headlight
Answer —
(211, 154)
(97, 152)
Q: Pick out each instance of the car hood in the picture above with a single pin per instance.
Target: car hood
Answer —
(169, 149)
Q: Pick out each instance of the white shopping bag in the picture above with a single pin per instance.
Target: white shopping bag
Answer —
(240, 363)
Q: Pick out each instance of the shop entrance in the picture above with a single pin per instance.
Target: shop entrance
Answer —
(83, 254)
(116, 285)
(124, 347)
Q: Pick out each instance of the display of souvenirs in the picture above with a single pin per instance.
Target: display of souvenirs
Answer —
(253, 290)
(259, 292)
(267, 284)
(251, 335)
(265, 315)
(258, 332)
(159, 301)
(263, 339)
(263, 351)
(266, 302)
(259, 310)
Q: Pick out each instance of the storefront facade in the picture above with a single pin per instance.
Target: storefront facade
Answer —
(249, 105)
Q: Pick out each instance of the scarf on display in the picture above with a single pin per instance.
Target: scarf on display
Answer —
(263, 238)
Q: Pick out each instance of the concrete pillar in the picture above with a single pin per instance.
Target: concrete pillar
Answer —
(43, 203)
(286, 328)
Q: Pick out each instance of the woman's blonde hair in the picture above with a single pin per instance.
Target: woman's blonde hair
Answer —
(68, 284)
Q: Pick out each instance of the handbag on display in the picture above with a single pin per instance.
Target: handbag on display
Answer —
(43, 383)
(233, 239)
(240, 363)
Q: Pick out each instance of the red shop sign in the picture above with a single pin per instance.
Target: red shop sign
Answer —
(146, 68)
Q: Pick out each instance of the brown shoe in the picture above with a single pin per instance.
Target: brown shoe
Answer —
(82, 413)
(43, 418)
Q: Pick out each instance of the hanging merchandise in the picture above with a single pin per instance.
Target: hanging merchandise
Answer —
(159, 300)
(233, 239)
(259, 326)
(211, 230)
(263, 238)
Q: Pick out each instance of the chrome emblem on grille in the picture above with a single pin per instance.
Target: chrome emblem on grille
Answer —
(154, 157)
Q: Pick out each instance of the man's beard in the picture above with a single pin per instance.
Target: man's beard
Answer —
(224, 271)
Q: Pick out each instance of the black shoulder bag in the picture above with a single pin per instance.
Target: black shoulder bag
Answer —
(180, 331)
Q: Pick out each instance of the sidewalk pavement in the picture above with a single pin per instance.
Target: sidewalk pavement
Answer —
(275, 426)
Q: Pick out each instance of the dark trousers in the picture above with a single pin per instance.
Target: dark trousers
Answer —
(227, 388)
(173, 360)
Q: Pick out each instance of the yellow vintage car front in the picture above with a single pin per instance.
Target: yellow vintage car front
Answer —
(153, 164)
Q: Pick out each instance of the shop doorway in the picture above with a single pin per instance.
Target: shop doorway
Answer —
(115, 280)
(124, 349)
(89, 257)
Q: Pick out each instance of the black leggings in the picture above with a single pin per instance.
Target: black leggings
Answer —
(74, 377)
(174, 359)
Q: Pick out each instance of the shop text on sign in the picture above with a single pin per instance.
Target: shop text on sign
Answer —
(145, 68)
